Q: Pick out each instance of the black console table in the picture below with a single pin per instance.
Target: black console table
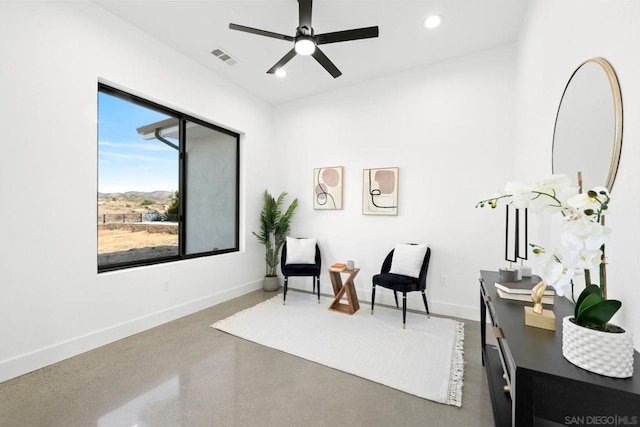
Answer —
(542, 387)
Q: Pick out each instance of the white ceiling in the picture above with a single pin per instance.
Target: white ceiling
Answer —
(195, 28)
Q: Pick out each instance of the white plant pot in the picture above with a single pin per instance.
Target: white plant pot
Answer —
(604, 353)
(271, 283)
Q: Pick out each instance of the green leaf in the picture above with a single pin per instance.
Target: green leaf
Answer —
(589, 290)
(599, 314)
(590, 300)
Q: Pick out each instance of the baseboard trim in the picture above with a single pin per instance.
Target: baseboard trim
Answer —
(29, 362)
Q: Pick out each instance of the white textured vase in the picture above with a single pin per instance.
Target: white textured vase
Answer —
(605, 353)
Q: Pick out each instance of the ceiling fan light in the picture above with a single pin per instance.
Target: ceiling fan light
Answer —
(304, 45)
(432, 21)
(281, 72)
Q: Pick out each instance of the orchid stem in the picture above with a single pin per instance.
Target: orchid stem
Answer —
(603, 275)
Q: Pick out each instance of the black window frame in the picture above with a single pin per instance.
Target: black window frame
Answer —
(183, 118)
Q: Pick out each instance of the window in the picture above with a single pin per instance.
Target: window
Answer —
(168, 184)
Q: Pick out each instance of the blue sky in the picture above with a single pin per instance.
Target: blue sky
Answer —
(127, 162)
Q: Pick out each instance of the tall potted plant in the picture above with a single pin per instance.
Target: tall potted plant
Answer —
(274, 228)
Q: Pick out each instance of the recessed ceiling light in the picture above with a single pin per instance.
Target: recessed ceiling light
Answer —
(432, 21)
(281, 72)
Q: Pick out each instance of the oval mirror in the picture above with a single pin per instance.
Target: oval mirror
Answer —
(588, 131)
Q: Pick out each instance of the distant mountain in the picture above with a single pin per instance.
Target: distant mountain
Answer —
(151, 195)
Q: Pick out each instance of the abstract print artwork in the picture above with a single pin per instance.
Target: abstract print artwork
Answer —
(327, 188)
(380, 191)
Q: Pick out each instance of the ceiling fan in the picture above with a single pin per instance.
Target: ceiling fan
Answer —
(306, 42)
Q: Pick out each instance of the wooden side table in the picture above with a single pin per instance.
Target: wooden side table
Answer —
(347, 289)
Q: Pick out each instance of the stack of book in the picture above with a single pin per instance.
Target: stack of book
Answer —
(338, 266)
(521, 290)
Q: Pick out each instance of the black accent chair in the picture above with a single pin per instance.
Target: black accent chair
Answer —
(400, 283)
(312, 270)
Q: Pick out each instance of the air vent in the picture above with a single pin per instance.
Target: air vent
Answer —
(224, 56)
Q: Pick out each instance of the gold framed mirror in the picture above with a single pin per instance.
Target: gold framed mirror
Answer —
(588, 131)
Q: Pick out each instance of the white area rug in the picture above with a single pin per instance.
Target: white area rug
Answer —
(425, 360)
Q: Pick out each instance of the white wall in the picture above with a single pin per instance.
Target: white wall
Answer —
(449, 128)
(557, 36)
(53, 304)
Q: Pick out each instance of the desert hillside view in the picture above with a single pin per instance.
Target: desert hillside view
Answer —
(136, 225)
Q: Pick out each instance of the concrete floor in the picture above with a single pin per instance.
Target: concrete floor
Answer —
(185, 373)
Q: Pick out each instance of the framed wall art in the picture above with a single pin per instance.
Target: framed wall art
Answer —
(380, 191)
(327, 188)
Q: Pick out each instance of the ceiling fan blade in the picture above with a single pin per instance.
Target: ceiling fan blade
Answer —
(260, 32)
(343, 36)
(282, 61)
(326, 63)
(304, 15)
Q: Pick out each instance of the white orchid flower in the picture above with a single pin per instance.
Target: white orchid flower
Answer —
(590, 201)
(520, 194)
(550, 194)
(555, 274)
(582, 202)
(541, 203)
(587, 260)
(602, 193)
(551, 183)
(584, 235)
